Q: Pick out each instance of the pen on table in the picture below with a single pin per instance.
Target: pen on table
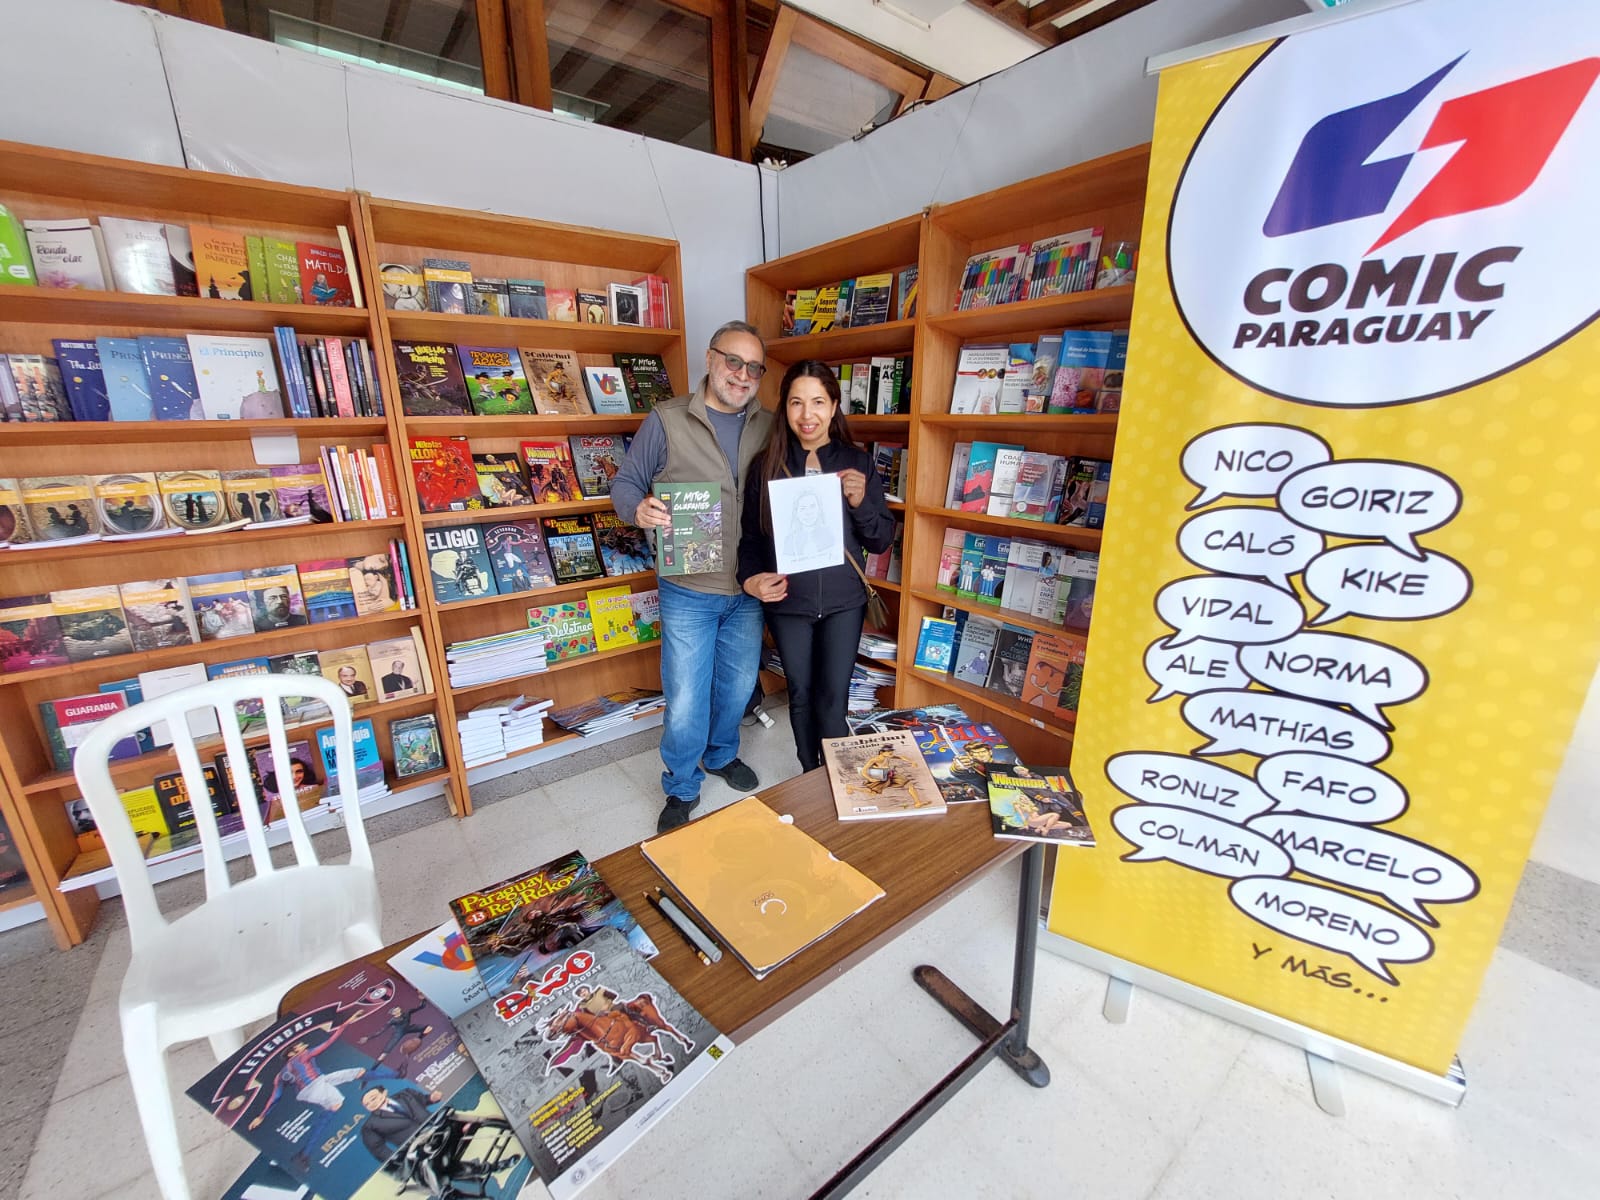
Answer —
(687, 925)
(699, 953)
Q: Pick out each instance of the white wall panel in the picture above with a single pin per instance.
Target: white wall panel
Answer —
(86, 75)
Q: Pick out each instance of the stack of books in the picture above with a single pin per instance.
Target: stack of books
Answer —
(877, 645)
(497, 729)
(864, 684)
(498, 656)
(606, 712)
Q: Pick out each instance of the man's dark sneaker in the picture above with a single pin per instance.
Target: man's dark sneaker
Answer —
(675, 813)
(736, 775)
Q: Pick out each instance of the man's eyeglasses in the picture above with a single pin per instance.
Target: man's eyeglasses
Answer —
(736, 364)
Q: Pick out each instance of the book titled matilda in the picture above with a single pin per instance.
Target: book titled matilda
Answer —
(516, 928)
(589, 1057)
(877, 775)
(691, 544)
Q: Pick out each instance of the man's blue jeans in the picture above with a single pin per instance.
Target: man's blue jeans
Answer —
(710, 655)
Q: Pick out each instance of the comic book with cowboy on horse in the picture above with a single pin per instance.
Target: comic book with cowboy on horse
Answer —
(588, 1056)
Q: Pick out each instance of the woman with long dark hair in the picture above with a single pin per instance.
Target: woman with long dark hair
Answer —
(815, 616)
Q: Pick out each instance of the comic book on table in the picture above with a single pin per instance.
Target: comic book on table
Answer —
(590, 1057)
(1037, 804)
(880, 775)
(517, 927)
(340, 1091)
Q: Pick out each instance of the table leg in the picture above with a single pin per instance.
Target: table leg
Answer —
(1008, 1040)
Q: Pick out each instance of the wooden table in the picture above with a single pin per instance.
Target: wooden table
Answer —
(921, 863)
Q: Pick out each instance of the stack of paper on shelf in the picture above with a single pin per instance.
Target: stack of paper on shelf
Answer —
(498, 728)
(499, 656)
(604, 712)
(864, 684)
(876, 645)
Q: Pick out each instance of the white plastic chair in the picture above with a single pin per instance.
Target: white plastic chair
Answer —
(228, 962)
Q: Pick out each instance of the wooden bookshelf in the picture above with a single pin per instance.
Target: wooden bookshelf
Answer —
(36, 182)
(563, 256)
(1107, 192)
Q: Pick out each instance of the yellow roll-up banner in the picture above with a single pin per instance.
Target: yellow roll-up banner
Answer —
(1347, 604)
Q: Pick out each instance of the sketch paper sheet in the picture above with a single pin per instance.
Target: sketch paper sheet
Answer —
(807, 522)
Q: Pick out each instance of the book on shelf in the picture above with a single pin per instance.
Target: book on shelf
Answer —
(1051, 663)
(726, 863)
(561, 304)
(445, 475)
(975, 650)
(235, 377)
(496, 385)
(646, 607)
(574, 553)
(567, 629)
(489, 297)
(645, 378)
(404, 289)
(596, 458)
(501, 481)
(607, 391)
(517, 556)
(127, 384)
(1003, 480)
(980, 375)
(159, 613)
(1038, 805)
(373, 584)
(979, 484)
(591, 306)
(33, 389)
(658, 300)
(30, 634)
(691, 542)
(221, 263)
(1017, 380)
(611, 612)
(555, 380)
(67, 252)
(16, 263)
(1084, 499)
(141, 262)
(414, 745)
(351, 670)
(879, 775)
(949, 559)
(83, 379)
(1008, 672)
(1109, 398)
(302, 490)
(299, 709)
(92, 624)
(14, 526)
(368, 761)
(1046, 357)
(1080, 374)
(326, 588)
(525, 299)
(458, 563)
(221, 604)
(935, 644)
(400, 666)
(68, 720)
(600, 985)
(192, 500)
(552, 473)
(325, 277)
(165, 681)
(431, 382)
(59, 508)
(248, 494)
(282, 263)
(506, 924)
(626, 304)
(174, 392)
(624, 549)
(250, 713)
(180, 250)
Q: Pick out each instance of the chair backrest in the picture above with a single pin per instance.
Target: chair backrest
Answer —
(220, 696)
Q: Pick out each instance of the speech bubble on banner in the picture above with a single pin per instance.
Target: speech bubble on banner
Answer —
(1222, 608)
(1197, 841)
(1368, 579)
(1371, 498)
(1198, 666)
(1249, 541)
(1326, 786)
(1338, 668)
(1266, 723)
(1334, 920)
(1156, 777)
(1249, 460)
(1403, 871)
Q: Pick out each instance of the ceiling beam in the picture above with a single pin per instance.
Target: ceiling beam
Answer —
(1099, 17)
(856, 54)
(1047, 12)
(530, 54)
(766, 82)
(1016, 16)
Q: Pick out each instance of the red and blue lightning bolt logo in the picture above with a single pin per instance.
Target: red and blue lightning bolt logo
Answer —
(1503, 135)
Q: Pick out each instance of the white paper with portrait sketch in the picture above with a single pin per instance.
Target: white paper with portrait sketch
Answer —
(807, 522)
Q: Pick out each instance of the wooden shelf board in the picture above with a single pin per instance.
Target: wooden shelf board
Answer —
(1008, 616)
(1070, 535)
(199, 542)
(122, 433)
(531, 427)
(473, 689)
(520, 332)
(995, 700)
(1110, 179)
(543, 595)
(896, 505)
(883, 584)
(880, 422)
(158, 762)
(892, 337)
(890, 663)
(241, 647)
(874, 251)
(1026, 422)
(188, 314)
(516, 512)
(16, 897)
(1075, 308)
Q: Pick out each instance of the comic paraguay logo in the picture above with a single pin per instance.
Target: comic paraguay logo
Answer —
(1362, 223)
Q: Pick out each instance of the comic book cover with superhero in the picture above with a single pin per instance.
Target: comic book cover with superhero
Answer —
(517, 927)
(589, 1055)
(465, 1149)
(334, 1091)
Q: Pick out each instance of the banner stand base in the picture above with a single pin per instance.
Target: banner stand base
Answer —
(1325, 1055)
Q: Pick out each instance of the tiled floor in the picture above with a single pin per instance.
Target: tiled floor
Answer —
(1174, 1104)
